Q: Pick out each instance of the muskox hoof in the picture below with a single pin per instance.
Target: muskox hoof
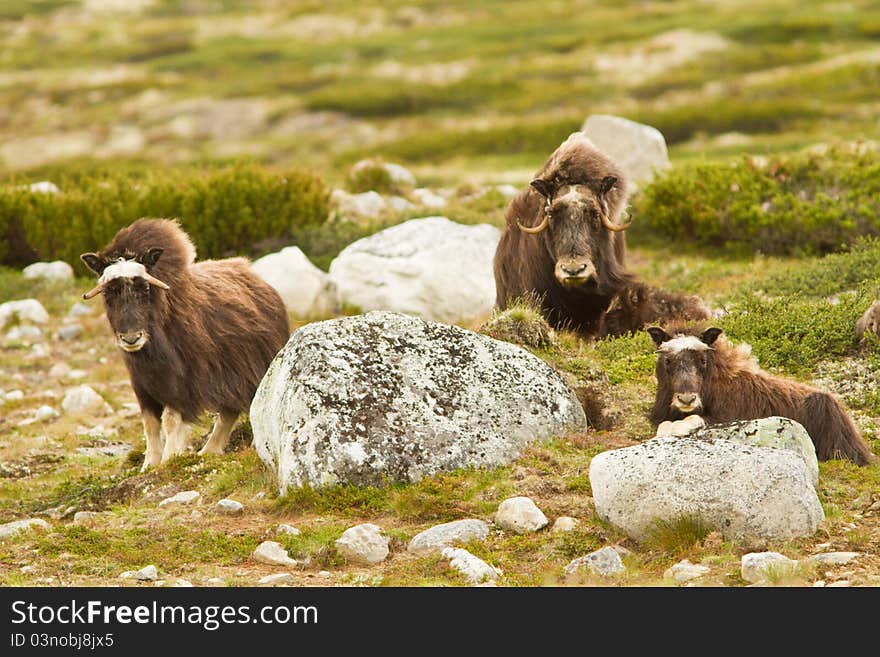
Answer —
(680, 427)
(210, 449)
(151, 461)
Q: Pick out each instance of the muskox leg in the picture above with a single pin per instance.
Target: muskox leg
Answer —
(153, 435)
(175, 430)
(219, 437)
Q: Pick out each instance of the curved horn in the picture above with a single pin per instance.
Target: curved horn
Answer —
(534, 230)
(614, 227)
(95, 291)
(152, 280)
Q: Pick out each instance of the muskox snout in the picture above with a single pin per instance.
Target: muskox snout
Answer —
(575, 272)
(132, 340)
(687, 402)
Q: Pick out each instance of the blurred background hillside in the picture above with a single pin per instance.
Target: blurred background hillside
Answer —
(477, 91)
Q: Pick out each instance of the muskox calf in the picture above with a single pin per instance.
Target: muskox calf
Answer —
(563, 243)
(701, 373)
(194, 336)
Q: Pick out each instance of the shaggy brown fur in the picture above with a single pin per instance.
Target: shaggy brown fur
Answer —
(639, 305)
(525, 264)
(730, 386)
(869, 322)
(211, 336)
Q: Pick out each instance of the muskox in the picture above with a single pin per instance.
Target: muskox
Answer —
(195, 336)
(700, 373)
(564, 243)
(869, 322)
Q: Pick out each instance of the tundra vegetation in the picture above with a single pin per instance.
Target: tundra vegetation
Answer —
(761, 136)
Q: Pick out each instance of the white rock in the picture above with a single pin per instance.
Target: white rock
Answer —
(400, 204)
(52, 271)
(43, 187)
(83, 399)
(363, 543)
(834, 558)
(507, 191)
(69, 332)
(25, 570)
(431, 267)
(387, 397)
(181, 583)
(147, 574)
(14, 395)
(640, 150)
(306, 291)
(684, 571)
(473, 568)
(605, 561)
(277, 578)
(428, 199)
(367, 205)
(230, 507)
(86, 518)
(447, 534)
(44, 413)
(79, 310)
(758, 567)
(75, 375)
(183, 498)
(323, 573)
(564, 524)
(288, 529)
(273, 553)
(10, 529)
(27, 310)
(750, 494)
(24, 333)
(520, 515)
(215, 581)
(843, 583)
(59, 370)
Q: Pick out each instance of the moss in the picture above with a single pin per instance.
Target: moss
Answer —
(521, 323)
(676, 536)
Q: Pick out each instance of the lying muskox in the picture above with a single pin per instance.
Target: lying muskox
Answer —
(701, 373)
(194, 336)
(564, 243)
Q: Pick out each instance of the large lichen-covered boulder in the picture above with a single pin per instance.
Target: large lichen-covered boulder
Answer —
(385, 397)
(753, 494)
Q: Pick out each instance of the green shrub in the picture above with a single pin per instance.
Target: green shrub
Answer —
(243, 208)
(370, 177)
(808, 203)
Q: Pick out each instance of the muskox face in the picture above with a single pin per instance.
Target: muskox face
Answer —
(577, 231)
(128, 290)
(684, 363)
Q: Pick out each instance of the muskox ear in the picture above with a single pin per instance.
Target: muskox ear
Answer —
(151, 257)
(658, 335)
(542, 187)
(94, 262)
(607, 184)
(710, 335)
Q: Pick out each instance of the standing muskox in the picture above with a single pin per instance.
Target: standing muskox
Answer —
(701, 373)
(194, 336)
(564, 243)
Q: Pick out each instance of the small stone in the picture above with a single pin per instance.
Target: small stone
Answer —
(196, 514)
(564, 524)
(79, 310)
(26, 310)
(44, 413)
(25, 570)
(75, 375)
(86, 518)
(834, 558)
(473, 568)
(839, 584)
(272, 553)
(427, 198)
(126, 574)
(277, 578)
(59, 370)
(24, 333)
(819, 583)
(10, 529)
(14, 395)
(507, 191)
(83, 399)
(684, 571)
(43, 187)
(69, 332)
(259, 496)
(230, 507)
(863, 501)
(215, 581)
(147, 574)
(363, 543)
(605, 561)
(181, 583)
(445, 535)
(400, 204)
(756, 567)
(323, 573)
(287, 529)
(520, 515)
(183, 498)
